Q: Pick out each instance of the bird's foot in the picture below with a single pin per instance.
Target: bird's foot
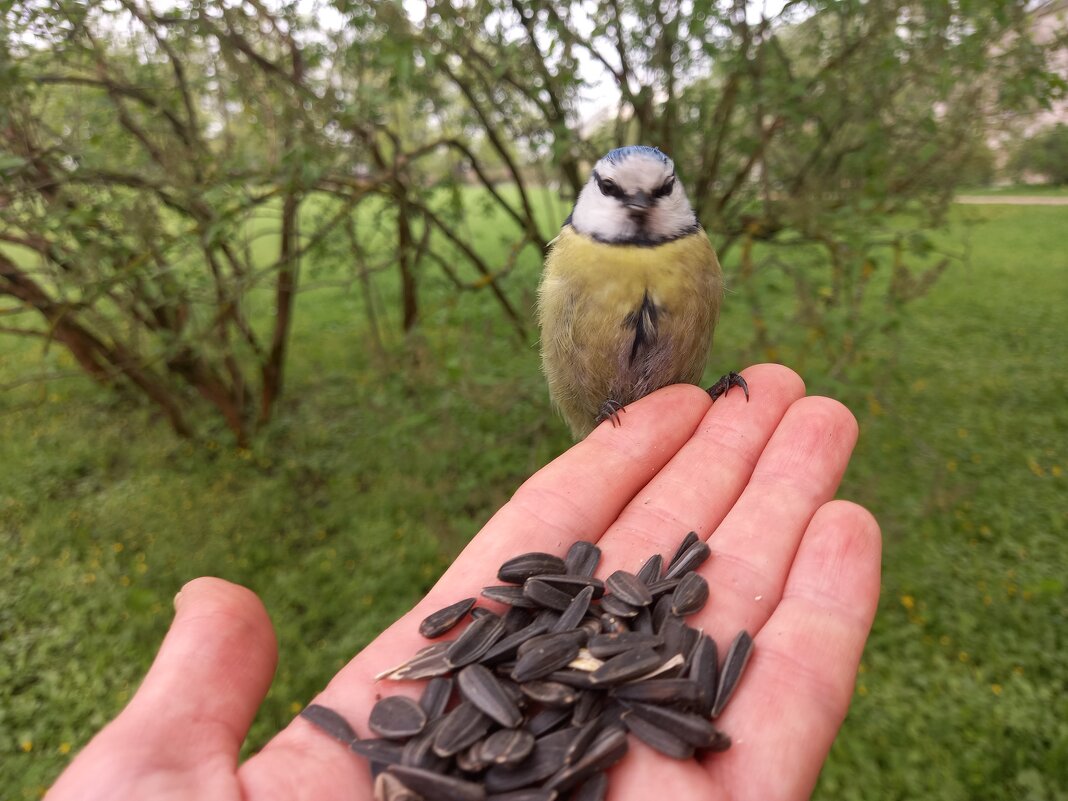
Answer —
(723, 386)
(610, 410)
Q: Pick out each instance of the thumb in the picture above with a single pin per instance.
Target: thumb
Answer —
(200, 695)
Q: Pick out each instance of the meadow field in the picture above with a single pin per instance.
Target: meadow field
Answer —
(348, 507)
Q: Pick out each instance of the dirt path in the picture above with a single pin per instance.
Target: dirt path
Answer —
(1012, 200)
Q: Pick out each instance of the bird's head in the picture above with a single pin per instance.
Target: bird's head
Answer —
(633, 197)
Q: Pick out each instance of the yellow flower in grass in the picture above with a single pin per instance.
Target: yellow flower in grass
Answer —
(908, 602)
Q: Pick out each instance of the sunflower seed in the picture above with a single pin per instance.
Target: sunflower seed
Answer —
(575, 611)
(721, 742)
(529, 794)
(443, 619)
(667, 670)
(547, 719)
(507, 747)
(694, 557)
(397, 716)
(389, 788)
(704, 673)
(517, 618)
(677, 692)
(610, 624)
(509, 595)
(546, 595)
(428, 662)
(479, 686)
(665, 586)
(574, 678)
(470, 759)
(626, 665)
(687, 541)
(643, 621)
(582, 559)
(436, 787)
(330, 722)
(690, 595)
(660, 739)
(550, 693)
(594, 788)
(603, 645)
(479, 611)
(544, 657)
(691, 728)
(661, 611)
(617, 607)
(436, 697)
(418, 752)
(382, 751)
(589, 706)
(505, 647)
(650, 571)
(581, 741)
(673, 637)
(576, 636)
(519, 568)
(460, 728)
(609, 747)
(545, 760)
(628, 588)
(733, 665)
(573, 585)
(475, 641)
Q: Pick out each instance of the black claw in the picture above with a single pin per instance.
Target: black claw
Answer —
(723, 386)
(610, 410)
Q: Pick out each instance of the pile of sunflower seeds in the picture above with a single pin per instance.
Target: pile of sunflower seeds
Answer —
(546, 693)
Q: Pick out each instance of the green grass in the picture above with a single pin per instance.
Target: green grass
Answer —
(373, 477)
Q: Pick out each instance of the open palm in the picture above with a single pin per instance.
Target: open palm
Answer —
(798, 570)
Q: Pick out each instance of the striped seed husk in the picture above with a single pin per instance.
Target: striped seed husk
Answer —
(479, 611)
(397, 716)
(687, 542)
(581, 742)
(693, 729)
(517, 618)
(661, 611)
(479, 686)
(545, 657)
(575, 678)
(470, 759)
(673, 636)
(690, 596)
(614, 605)
(657, 738)
(329, 721)
(643, 621)
(440, 622)
(626, 665)
(547, 720)
(505, 647)
(545, 759)
(589, 706)
(604, 645)
(460, 728)
(380, 750)
(733, 665)
(704, 672)
(576, 610)
(418, 752)
(507, 747)
(528, 794)
(550, 693)
(427, 663)
(437, 787)
(694, 557)
(510, 595)
(675, 692)
(573, 585)
(519, 568)
(546, 595)
(608, 748)
(436, 697)
(628, 588)
(475, 641)
(576, 636)
(594, 788)
(582, 559)
(650, 571)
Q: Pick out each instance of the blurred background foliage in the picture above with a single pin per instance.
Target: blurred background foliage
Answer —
(203, 204)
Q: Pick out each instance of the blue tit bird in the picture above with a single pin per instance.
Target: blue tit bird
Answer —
(630, 292)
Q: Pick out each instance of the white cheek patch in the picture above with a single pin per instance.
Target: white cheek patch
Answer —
(605, 218)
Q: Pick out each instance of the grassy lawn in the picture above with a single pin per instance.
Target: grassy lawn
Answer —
(1021, 190)
(372, 478)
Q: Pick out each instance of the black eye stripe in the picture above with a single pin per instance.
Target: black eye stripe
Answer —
(665, 188)
(608, 186)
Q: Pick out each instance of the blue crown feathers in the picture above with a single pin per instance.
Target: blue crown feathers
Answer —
(621, 153)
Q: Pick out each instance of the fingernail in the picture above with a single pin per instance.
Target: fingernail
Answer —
(177, 599)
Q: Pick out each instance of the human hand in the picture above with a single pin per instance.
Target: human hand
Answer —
(788, 564)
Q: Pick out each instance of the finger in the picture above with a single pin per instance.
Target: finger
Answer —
(575, 497)
(753, 548)
(794, 696)
(697, 488)
(197, 702)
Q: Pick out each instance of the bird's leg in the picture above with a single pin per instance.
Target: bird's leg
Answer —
(723, 386)
(610, 410)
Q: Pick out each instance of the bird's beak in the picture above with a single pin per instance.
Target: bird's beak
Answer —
(639, 203)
